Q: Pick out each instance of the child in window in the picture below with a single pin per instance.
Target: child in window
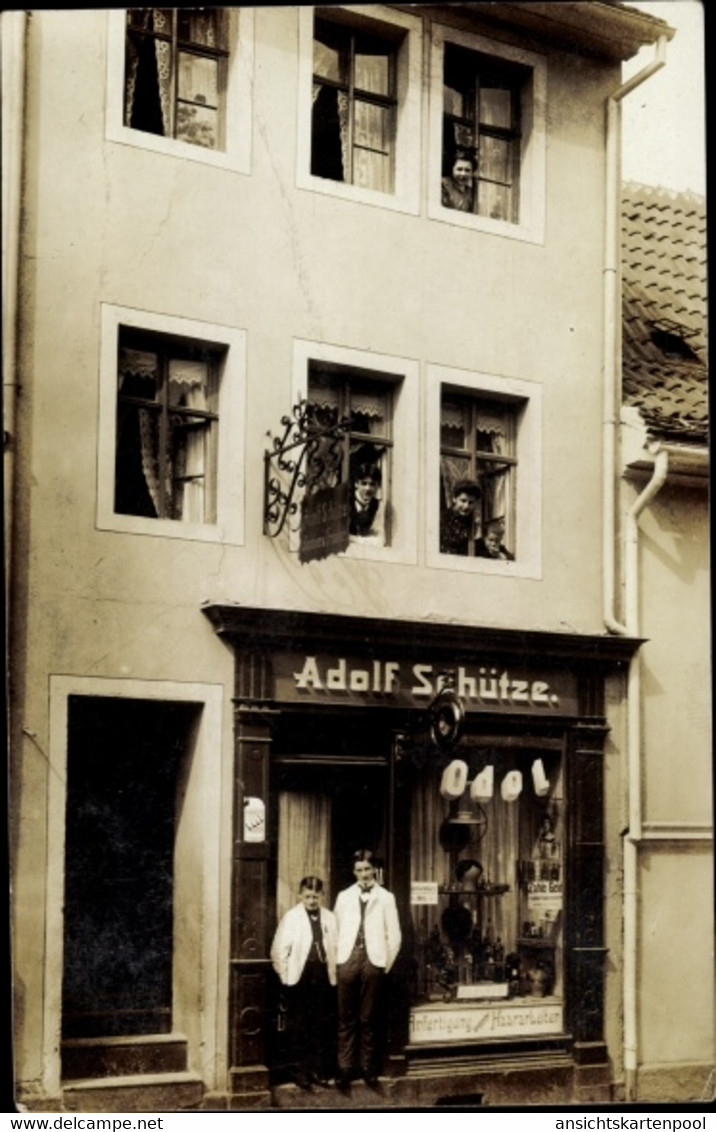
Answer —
(458, 188)
(366, 478)
(457, 526)
(491, 544)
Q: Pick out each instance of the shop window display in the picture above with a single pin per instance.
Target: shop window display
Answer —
(487, 895)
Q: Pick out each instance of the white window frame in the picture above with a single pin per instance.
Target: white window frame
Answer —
(528, 471)
(202, 892)
(408, 179)
(239, 89)
(229, 525)
(405, 375)
(530, 226)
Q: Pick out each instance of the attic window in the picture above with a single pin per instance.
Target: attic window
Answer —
(671, 340)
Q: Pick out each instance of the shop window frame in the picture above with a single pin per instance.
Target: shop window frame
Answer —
(401, 376)
(529, 222)
(236, 130)
(228, 347)
(554, 948)
(405, 31)
(524, 398)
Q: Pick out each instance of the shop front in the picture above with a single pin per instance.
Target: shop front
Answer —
(471, 761)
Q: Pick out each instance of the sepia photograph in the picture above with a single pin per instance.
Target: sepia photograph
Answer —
(358, 602)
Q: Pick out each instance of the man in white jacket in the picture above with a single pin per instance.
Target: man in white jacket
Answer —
(303, 954)
(368, 942)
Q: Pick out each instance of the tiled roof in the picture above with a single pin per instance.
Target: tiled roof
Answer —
(664, 351)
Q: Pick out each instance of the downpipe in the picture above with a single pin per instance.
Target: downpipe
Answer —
(612, 361)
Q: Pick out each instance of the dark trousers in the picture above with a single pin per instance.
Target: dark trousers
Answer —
(360, 1000)
(312, 1023)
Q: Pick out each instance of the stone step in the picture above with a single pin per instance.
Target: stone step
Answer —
(153, 1092)
(359, 1096)
(123, 1056)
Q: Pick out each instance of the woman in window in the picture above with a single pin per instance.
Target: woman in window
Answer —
(457, 526)
(458, 189)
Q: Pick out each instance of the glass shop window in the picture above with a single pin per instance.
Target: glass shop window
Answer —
(363, 457)
(176, 73)
(481, 134)
(167, 428)
(487, 834)
(478, 463)
(354, 117)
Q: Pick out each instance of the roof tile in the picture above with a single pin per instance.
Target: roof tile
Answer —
(664, 288)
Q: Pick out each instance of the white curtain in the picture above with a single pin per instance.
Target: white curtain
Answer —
(304, 845)
(144, 364)
(151, 19)
(190, 456)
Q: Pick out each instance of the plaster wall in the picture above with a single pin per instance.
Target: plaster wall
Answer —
(676, 659)
(676, 874)
(677, 956)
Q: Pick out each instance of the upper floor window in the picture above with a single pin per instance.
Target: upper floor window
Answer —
(488, 135)
(374, 398)
(336, 393)
(167, 429)
(360, 104)
(180, 83)
(176, 73)
(354, 106)
(171, 427)
(484, 457)
(481, 134)
(478, 465)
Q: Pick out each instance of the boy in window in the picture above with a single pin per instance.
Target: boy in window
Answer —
(366, 479)
(491, 544)
(457, 526)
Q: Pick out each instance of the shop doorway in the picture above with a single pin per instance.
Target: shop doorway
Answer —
(128, 764)
(327, 810)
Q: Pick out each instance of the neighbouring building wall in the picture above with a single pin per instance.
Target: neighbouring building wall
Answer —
(676, 930)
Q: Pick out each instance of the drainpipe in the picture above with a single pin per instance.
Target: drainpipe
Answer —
(612, 405)
(612, 328)
(633, 834)
(14, 32)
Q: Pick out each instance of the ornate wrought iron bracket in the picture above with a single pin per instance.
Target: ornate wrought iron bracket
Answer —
(302, 459)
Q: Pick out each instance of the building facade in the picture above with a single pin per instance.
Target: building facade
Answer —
(665, 478)
(292, 255)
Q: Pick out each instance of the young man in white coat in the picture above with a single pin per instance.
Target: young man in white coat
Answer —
(303, 954)
(368, 943)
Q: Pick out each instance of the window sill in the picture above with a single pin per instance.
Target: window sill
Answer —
(172, 147)
(527, 233)
(524, 568)
(168, 528)
(395, 202)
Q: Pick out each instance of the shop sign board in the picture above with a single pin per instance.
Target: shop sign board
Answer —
(482, 686)
(484, 1020)
(325, 521)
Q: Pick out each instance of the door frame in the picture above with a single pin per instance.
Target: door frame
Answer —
(196, 996)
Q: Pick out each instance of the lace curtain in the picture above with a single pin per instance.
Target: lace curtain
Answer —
(492, 436)
(187, 384)
(175, 498)
(158, 20)
(369, 164)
